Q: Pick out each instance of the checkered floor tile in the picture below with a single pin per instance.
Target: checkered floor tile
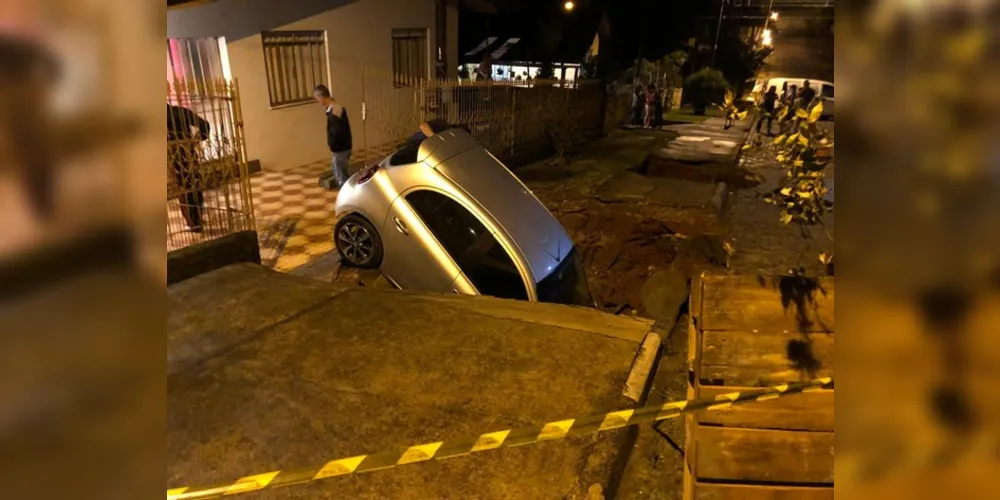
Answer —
(294, 217)
(295, 195)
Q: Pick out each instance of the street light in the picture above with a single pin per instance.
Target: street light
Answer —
(568, 6)
(774, 16)
(767, 33)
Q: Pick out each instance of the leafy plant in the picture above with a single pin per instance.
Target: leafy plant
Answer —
(672, 79)
(705, 86)
(729, 109)
(804, 154)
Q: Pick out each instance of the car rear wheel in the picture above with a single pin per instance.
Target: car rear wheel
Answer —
(358, 243)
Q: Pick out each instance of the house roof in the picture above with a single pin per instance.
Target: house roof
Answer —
(508, 37)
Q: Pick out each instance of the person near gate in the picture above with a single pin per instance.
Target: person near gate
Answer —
(338, 133)
(182, 145)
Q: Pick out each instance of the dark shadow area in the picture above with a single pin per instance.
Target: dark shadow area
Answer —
(545, 174)
(801, 355)
(207, 256)
(50, 264)
(705, 172)
(799, 291)
(944, 310)
(274, 237)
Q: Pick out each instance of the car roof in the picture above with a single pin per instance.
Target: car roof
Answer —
(795, 80)
(537, 233)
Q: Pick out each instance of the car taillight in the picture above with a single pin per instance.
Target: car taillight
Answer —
(367, 174)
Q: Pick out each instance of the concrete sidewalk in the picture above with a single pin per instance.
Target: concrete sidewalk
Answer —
(269, 371)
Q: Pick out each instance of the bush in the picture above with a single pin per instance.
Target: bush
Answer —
(706, 86)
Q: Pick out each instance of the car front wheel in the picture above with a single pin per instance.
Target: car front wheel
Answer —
(358, 242)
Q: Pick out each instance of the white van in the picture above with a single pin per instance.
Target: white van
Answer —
(823, 89)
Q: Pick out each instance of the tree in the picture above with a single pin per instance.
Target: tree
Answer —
(739, 59)
(706, 86)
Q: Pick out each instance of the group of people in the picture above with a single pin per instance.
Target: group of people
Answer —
(647, 107)
(791, 97)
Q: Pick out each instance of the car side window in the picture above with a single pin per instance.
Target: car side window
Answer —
(827, 91)
(470, 244)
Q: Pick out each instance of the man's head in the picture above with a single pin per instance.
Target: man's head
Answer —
(322, 95)
(773, 88)
(805, 84)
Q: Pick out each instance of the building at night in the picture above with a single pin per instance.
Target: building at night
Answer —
(278, 51)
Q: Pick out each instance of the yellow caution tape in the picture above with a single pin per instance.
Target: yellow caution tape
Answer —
(492, 440)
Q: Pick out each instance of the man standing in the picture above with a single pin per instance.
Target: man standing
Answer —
(182, 148)
(808, 94)
(658, 109)
(338, 133)
(767, 107)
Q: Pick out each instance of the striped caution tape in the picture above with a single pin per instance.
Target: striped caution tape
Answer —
(492, 440)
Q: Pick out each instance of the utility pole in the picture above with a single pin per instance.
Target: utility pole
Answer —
(767, 16)
(638, 55)
(718, 29)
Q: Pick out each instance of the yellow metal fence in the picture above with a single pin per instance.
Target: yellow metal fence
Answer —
(208, 186)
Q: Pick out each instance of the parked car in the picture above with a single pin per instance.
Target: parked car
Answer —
(444, 215)
(824, 90)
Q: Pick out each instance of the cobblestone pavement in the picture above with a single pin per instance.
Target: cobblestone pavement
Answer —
(763, 244)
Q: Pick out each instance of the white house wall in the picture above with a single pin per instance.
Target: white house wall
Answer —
(358, 33)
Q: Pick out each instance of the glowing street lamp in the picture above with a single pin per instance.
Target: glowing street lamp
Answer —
(767, 34)
(774, 16)
(568, 6)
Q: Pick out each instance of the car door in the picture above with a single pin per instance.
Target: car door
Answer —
(412, 258)
(468, 243)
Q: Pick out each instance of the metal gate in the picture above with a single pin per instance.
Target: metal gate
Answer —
(208, 185)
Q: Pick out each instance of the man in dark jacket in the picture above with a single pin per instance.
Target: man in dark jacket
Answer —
(182, 145)
(808, 94)
(338, 133)
(767, 106)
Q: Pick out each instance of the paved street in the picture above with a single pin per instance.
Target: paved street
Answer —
(763, 244)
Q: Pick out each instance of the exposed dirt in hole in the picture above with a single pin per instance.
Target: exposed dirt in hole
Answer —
(622, 246)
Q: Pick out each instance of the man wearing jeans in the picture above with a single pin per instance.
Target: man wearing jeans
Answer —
(338, 133)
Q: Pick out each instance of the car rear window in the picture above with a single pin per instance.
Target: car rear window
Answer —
(567, 284)
(470, 244)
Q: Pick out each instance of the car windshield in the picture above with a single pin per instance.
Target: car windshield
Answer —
(405, 155)
(567, 284)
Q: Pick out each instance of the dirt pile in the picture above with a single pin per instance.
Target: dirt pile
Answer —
(620, 250)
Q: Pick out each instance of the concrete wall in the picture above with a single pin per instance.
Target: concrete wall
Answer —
(358, 33)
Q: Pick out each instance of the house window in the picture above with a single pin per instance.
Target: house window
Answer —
(295, 63)
(409, 56)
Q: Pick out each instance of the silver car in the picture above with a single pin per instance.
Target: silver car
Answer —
(444, 215)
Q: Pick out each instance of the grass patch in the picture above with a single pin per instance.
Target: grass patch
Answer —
(686, 115)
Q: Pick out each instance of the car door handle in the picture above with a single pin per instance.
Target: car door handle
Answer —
(401, 226)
